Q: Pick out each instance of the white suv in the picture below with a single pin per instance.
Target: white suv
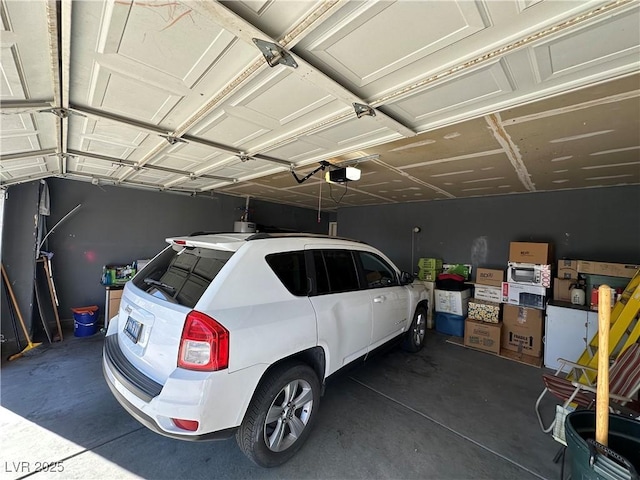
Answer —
(237, 333)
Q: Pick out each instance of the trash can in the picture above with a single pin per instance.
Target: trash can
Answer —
(592, 461)
(85, 321)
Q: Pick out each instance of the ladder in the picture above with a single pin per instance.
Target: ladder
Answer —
(624, 330)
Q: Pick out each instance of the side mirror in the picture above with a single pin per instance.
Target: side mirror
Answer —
(406, 278)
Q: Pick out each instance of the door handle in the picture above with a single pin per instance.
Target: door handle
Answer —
(379, 299)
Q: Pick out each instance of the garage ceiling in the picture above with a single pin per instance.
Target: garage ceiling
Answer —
(430, 99)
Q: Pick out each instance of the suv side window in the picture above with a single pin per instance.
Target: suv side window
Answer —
(322, 280)
(291, 270)
(338, 269)
(377, 272)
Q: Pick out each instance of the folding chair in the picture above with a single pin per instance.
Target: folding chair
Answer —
(624, 383)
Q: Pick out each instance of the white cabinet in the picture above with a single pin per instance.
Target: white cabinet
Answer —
(567, 333)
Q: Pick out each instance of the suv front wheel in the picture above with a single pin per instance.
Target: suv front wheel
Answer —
(414, 338)
(280, 415)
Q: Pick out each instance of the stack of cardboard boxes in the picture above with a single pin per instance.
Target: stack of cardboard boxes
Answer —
(525, 294)
(567, 277)
(509, 315)
(483, 324)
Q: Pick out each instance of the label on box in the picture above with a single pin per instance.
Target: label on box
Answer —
(453, 302)
(483, 336)
(488, 276)
(524, 295)
(488, 293)
(568, 269)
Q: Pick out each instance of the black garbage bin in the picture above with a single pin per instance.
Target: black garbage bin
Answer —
(590, 460)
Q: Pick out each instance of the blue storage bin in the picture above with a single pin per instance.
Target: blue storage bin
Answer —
(450, 324)
(85, 321)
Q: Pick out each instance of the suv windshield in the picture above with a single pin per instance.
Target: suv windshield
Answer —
(181, 274)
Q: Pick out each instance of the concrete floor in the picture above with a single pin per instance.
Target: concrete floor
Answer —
(445, 413)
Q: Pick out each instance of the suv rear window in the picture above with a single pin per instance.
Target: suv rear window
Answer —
(291, 270)
(181, 275)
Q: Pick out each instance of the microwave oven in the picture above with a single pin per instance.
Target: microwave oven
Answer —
(529, 273)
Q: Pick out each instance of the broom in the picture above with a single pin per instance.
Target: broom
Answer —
(30, 344)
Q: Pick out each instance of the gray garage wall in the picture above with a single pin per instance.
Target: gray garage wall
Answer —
(116, 226)
(593, 224)
(18, 257)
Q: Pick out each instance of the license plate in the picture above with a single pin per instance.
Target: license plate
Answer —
(132, 329)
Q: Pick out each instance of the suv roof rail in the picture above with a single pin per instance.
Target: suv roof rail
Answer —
(264, 235)
(198, 233)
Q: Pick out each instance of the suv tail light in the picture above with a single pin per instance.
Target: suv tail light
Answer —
(204, 344)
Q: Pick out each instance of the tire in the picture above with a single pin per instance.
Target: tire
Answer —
(414, 338)
(272, 431)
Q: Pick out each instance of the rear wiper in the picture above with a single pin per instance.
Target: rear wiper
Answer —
(157, 283)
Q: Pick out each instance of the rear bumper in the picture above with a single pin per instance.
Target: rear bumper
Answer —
(216, 400)
(148, 422)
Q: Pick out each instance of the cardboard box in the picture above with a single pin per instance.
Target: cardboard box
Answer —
(483, 336)
(568, 269)
(524, 295)
(608, 269)
(562, 289)
(522, 330)
(484, 311)
(488, 293)
(529, 273)
(456, 303)
(488, 276)
(528, 252)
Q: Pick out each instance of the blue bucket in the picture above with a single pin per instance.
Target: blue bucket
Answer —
(85, 321)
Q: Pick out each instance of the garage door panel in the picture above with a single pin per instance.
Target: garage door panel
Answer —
(272, 104)
(357, 50)
(273, 18)
(90, 166)
(103, 137)
(11, 82)
(25, 71)
(584, 48)
(476, 88)
(126, 96)
(27, 167)
(187, 159)
(297, 150)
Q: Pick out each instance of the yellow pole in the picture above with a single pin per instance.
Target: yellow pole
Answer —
(602, 388)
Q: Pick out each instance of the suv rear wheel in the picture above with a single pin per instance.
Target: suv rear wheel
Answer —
(280, 415)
